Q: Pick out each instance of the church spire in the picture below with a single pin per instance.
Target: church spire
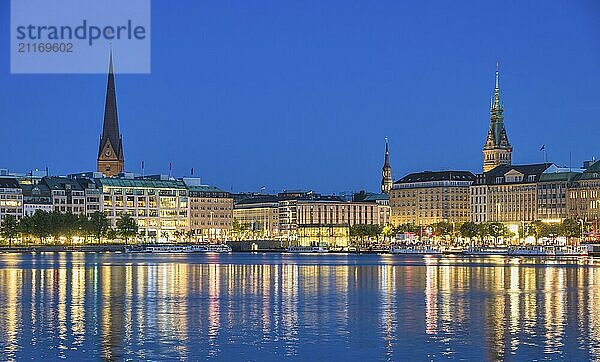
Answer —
(387, 153)
(497, 75)
(496, 100)
(110, 151)
(497, 150)
(386, 171)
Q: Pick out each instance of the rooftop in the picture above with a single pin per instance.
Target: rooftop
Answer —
(141, 183)
(428, 176)
(9, 183)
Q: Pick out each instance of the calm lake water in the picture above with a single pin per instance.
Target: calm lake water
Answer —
(314, 307)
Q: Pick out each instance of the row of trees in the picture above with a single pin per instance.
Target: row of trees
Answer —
(495, 230)
(489, 231)
(43, 226)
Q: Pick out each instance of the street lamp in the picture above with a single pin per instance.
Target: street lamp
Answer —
(581, 237)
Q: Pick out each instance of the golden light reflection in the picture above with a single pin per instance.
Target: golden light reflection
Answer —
(188, 310)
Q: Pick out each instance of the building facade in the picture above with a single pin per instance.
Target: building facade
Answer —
(36, 197)
(552, 191)
(426, 198)
(258, 216)
(160, 207)
(328, 222)
(68, 196)
(507, 194)
(497, 150)
(583, 199)
(211, 212)
(11, 198)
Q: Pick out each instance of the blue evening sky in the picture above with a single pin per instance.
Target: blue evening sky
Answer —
(300, 94)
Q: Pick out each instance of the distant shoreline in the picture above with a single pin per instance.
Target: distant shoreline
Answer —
(116, 248)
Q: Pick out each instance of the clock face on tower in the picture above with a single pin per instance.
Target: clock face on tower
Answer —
(107, 153)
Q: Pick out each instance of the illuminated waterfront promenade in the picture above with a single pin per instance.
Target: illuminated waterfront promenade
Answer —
(273, 306)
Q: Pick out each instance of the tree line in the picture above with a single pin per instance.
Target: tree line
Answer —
(486, 231)
(50, 227)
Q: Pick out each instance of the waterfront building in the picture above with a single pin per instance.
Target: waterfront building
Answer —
(11, 198)
(288, 210)
(314, 219)
(258, 215)
(328, 221)
(583, 199)
(67, 194)
(211, 211)
(93, 195)
(159, 204)
(111, 160)
(497, 150)
(508, 194)
(426, 198)
(552, 190)
(386, 171)
(36, 197)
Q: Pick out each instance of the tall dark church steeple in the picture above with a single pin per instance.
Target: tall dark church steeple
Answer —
(110, 152)
(386, 171)
(497, 150)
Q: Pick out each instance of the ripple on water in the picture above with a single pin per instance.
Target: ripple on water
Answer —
(275, 306)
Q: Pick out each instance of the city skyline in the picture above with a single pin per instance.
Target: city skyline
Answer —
(341, 144)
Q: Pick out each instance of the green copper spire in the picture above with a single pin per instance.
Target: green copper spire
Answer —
(386, 171)
(497, 149)
(496, 104)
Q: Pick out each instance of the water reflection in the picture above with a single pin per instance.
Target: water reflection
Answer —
(104, 306)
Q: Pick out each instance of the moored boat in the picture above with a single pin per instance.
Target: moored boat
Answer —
(548, 250)
(414, 249)
(306, 249)
(208, 248)
(484, 250)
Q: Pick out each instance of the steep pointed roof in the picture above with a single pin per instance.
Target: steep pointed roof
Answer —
(497, 136)
(110, 128)
(386, 162)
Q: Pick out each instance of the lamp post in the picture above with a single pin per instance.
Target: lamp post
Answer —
(581, 235)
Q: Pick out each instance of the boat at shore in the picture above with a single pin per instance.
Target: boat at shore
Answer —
(208, 248)
(414, 249)
(485, 251)
(548, 250)
(306, 249)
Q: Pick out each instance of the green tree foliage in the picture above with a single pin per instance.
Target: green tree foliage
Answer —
(362, 231)
(497, 230)
(9, 229)
(442, 228)
(387, 231)
(55, 225)
(469, 230)
(483, 230)
(406, 228)
(570, 228)
(98, 225)
(126, 227)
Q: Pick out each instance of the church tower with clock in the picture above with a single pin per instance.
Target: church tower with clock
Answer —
(110, 153)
